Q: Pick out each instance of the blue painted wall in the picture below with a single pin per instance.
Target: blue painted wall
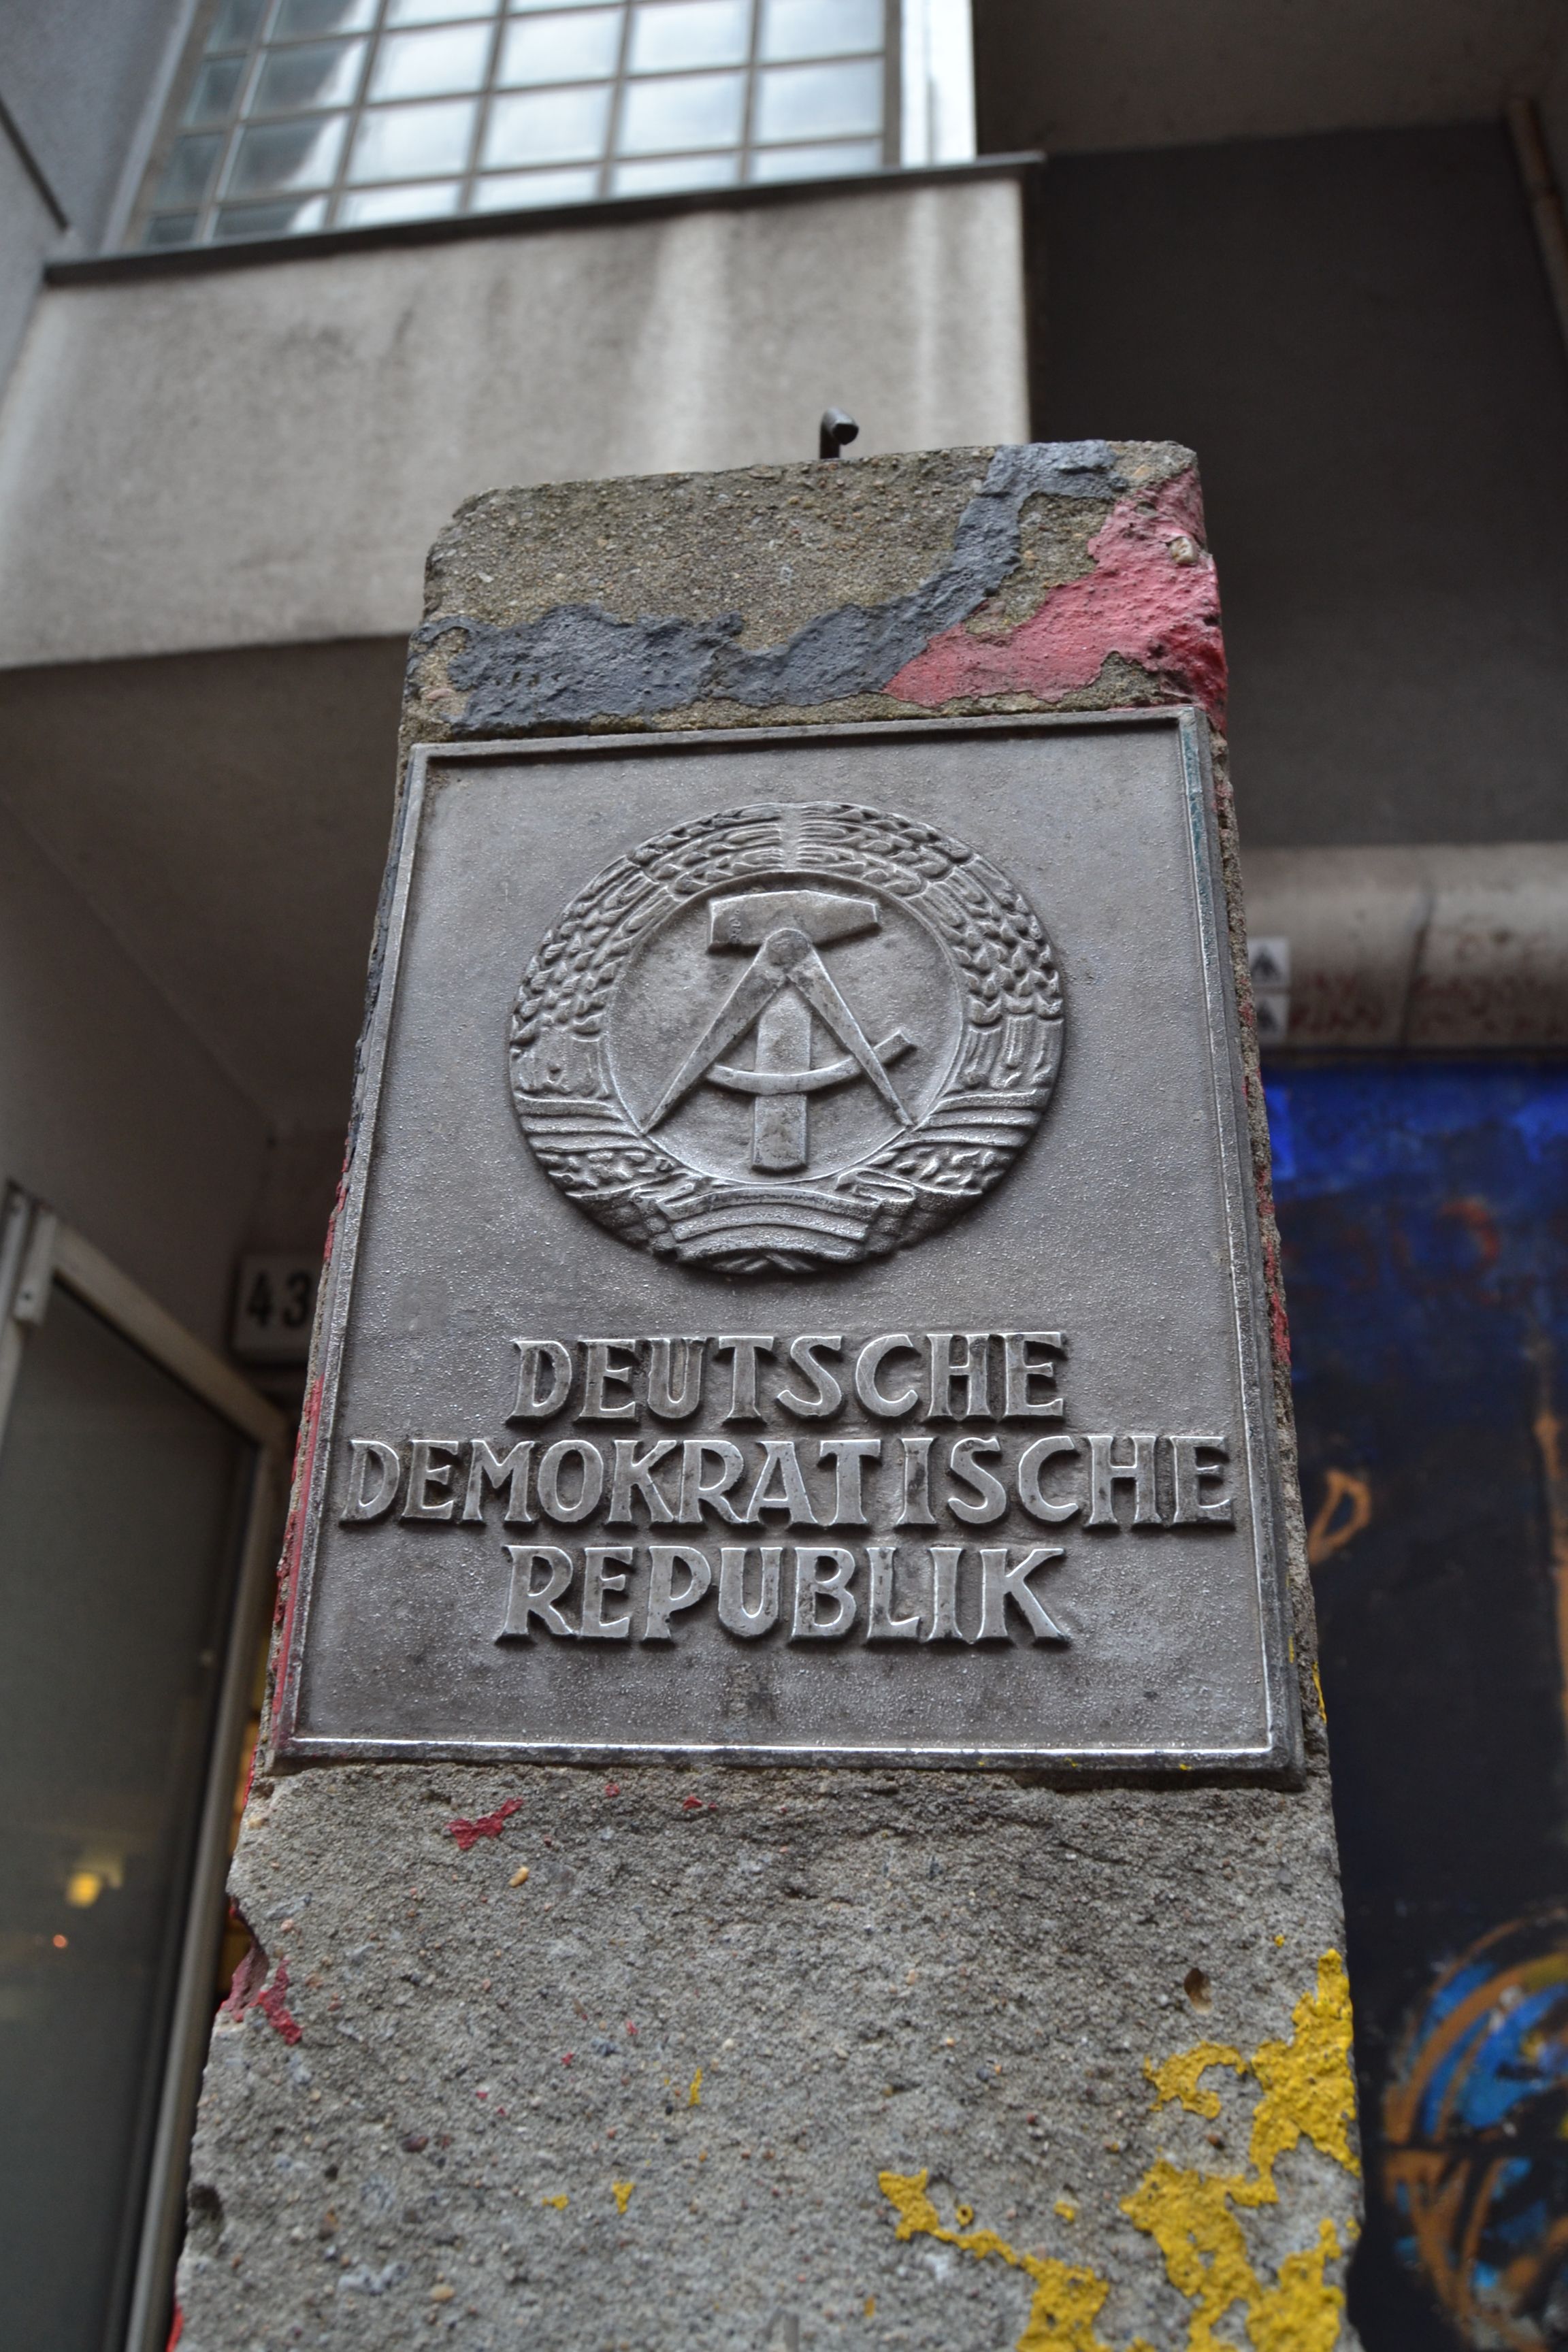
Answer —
(1423, 1212)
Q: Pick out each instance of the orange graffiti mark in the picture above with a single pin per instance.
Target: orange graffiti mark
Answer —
(1547, 1430)
(1345, 1509)
(1477, 1220)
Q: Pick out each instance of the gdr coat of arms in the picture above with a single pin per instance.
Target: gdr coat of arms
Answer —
(781, 1039)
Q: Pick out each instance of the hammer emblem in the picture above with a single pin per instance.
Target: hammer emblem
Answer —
(783, 989)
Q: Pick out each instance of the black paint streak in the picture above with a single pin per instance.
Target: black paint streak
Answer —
(580, 663)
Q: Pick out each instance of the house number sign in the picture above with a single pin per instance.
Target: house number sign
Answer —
(798, 1297)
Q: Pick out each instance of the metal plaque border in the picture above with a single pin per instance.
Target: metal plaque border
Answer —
(1279, 1758)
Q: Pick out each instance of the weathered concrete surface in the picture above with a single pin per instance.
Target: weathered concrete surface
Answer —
(1067, 576)
(742, 1997)
(981, 2063)
(262, 455)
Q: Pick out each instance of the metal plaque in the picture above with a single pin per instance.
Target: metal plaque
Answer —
(799, 1295)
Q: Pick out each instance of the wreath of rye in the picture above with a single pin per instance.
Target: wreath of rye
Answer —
(983, 1114)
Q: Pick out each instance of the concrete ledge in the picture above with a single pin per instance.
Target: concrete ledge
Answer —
(1434, 949)
(602, 212)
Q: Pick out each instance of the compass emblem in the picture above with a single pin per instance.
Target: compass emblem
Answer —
(784, 985)
(780, 1039)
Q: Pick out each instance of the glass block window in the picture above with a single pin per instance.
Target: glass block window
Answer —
(300, 115)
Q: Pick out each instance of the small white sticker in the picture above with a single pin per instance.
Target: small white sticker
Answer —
(274, 1308)
(1268, 961)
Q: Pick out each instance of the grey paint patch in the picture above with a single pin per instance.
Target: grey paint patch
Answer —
(580, 663)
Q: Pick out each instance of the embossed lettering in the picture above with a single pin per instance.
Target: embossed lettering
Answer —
(828, 1394)
(972, 1368)
(598, 1580)
(696, 1453)
(431, 1462)
(591, 1479)
(602, 1369)
(944, 1626)
(544, 1378)
(780, 1486)
(744, 1348)
(882, 1625)
(813, 1587)
(633, 1473)
(999, 1584)
(664, 1401)
(868, 1363)
(525, 1600)
(1105, 1473)
(990, 1495)
(1031, 1463)
(1189, 1476)
(1021, 1369)
(487, 1468)
(914, 1505)
(733, 1613)
(368, 1456)
(848, 1455)
(663, 1601)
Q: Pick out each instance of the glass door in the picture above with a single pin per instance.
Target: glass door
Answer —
(135, 1480)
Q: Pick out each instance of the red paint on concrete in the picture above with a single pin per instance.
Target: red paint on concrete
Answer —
(489, 1825)
(246, 1984)
(177, 2330)
(1151, 597)
(249, 1990)
(274, 2007)
(1279, 1323)
(294, 1533)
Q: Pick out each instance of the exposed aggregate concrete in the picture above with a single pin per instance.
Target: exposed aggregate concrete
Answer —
(868, 1972)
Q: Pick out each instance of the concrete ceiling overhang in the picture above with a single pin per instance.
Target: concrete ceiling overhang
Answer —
(226, 815)
(1074, 76)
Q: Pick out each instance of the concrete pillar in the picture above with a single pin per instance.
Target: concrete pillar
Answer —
(655, 2054)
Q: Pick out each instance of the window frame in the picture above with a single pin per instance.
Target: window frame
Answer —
(916, 35)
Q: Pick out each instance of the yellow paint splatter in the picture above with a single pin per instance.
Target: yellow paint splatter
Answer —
(870, 2311)
(1178, 2078)
(1065, 2301)
(621, 2190)
(694, 2096)
(1309, 2088)
(560, 2203)
(1194, 2216)
(1068, 2212)
(1318, 1686)
(1308, 2094)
